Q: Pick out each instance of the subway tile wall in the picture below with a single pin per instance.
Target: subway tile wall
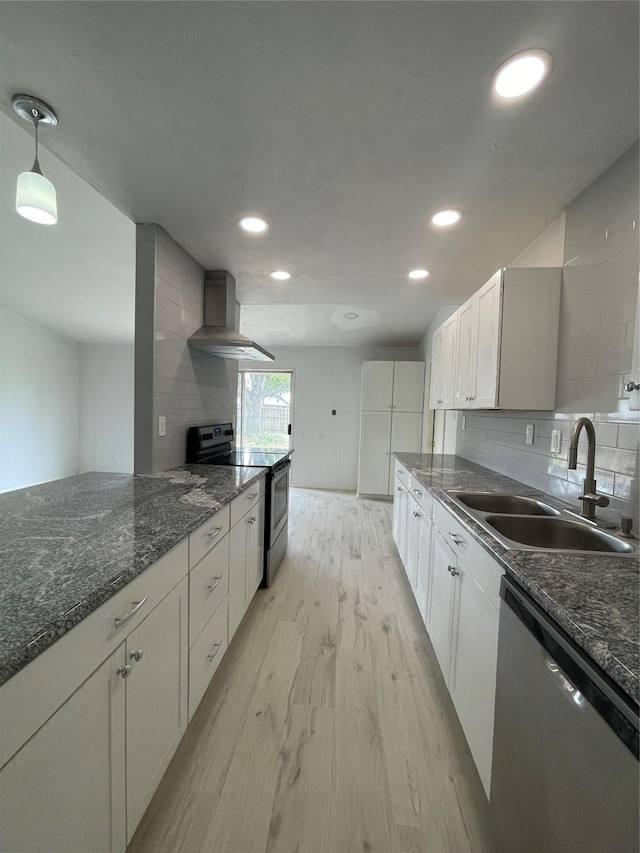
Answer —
(189, 386)
(596, 344)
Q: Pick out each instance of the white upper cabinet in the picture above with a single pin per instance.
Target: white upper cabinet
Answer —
(408, 386)
(377, 386)
(505, 345)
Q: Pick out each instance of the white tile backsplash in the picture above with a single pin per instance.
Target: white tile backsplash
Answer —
(597, 333)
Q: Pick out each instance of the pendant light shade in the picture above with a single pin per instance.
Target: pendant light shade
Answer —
(35, 194)
(36, 198)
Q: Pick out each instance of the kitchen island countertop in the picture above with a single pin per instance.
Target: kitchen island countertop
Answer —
(594, 597)
(69, 545)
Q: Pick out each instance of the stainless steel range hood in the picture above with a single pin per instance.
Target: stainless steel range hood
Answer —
(219, 335)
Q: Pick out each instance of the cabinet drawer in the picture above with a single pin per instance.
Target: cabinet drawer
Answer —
(422, 495)
(206, 654)
(29, 698)
(208, 585)
(402, 474)
(207, 536)
(478, 562)
(241, 505)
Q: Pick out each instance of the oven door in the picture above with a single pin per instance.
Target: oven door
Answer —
(279, 501)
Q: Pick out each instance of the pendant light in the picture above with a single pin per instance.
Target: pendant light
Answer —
(35, 194)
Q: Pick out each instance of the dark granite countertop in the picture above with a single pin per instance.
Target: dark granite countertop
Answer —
(68, 546)
(593, 597)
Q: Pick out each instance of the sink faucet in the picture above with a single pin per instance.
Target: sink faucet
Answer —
(589, 497)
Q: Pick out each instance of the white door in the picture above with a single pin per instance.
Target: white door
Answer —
(472, 679)
(238, 555)
(406, 432)
(436, 398)
(255, 562)
(377, 385)
(64, 790)
(157, 693)
(424, 565)
(440, 601)
(449, 347)
(488, 344)
(408, 386)
(466, 353)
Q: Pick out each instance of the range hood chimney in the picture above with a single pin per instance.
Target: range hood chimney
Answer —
(219, 335)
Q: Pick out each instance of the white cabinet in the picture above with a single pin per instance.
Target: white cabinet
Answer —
(414, 515)
(400, 511)
(156, 697)
(440, 601)
(245, 562)
(390, 420)
(445, 341)
(65, 789)
(506, 344)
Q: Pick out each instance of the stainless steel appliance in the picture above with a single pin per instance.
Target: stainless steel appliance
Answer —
(212, 445)
(565, 754)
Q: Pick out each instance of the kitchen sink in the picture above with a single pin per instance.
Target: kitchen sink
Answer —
(510, 504)
(562, 534)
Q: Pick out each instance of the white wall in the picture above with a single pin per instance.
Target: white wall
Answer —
(547, 250)
(326, 378)
(106, 407)
(39, 393)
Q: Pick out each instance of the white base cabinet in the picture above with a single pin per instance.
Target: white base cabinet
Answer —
(64, 791)
(456, 585)
(246, 555)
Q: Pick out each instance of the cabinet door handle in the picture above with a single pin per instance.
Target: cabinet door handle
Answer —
(122, 619)
(457, 539)
(417, 492)
(213, 582)
(452, 571)
(124, 671)
(215, 648)
(252, 497)
(215, 533)
(251, 520)
(136, 655)
(398, 488)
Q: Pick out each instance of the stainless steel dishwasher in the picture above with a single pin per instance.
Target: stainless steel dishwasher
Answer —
(565, 771)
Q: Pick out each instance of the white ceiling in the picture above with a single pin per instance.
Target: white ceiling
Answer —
(345, 124)
(76, 277)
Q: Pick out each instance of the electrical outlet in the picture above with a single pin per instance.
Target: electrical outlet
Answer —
(463, 422)
(162, 426)
(528, 438)
(556, 440)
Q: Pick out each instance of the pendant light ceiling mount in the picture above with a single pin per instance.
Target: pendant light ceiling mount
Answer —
(35, 194)
(34, 110)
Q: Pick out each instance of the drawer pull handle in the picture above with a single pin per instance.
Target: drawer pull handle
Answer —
(417, 492)
(215, 533)
(251, 520)
(124, 671)
(137, 655)
(457, 539)
(252, 497)
(452, 571)
(215, 648)
(213, 582)
(122, 619)
(416, 514)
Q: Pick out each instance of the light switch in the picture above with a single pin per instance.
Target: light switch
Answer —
(528, 438)
(162, 425)
(556, 440)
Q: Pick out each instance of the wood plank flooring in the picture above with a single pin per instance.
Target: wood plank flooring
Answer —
(327, 728)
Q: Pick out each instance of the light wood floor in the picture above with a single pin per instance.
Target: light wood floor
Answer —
(327, 728)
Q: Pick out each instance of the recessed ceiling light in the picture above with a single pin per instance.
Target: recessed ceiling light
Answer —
(351, 315)
(254, 224)
(522, 73)
(418, 274)
(280, 275)
(442, 218)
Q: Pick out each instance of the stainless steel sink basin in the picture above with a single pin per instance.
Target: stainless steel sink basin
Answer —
(510, 504)
(541, 533)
